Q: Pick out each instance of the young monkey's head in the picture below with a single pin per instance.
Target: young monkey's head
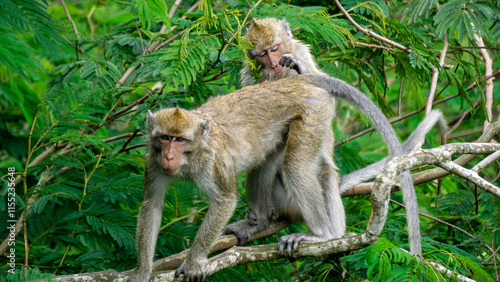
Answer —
(271, 39)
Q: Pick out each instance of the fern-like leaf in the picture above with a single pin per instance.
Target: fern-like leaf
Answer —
(464, 17)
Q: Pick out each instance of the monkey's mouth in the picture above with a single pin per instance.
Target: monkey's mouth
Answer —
(277, 74)
(171, 170)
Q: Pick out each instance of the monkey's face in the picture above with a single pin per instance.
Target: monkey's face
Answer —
(172, 151)
(170, 138)
(270, 58)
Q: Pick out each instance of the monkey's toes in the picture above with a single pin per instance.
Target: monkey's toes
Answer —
(290, 243)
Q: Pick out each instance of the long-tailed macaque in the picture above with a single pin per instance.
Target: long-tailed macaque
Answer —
(278, 55)
(283, 124)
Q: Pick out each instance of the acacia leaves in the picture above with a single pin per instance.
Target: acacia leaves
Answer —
(464, 18)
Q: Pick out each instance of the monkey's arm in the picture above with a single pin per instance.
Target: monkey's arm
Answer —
(223, 197)
(293, 62)
(148, 224)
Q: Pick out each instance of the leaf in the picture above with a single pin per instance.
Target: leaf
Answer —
(459, 16)
(418, 9)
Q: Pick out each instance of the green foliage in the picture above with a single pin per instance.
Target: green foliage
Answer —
(495, 28)
(151, 9)
(387, 262)
(73, 124)
(463, 17)
(22, 18)
(314, 22)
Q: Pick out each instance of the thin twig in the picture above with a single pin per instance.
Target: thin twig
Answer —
(369, 32)
(438, 220)
(134, 134)
(68, 15)
(75, 30)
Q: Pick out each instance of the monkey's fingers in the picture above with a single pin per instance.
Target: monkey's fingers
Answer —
(289, 61)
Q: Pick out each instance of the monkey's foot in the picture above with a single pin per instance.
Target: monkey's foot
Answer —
(140, 275)
(291, 242)
(192, 272)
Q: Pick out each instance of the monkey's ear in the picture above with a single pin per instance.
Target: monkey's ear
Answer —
(205, 127)
(286, 27)
(255, 24)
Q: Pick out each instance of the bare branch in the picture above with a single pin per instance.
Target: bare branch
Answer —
(173, 9)
(431, 174)
(369, 32)
(488, 89)
(470, 175)
(75, 30)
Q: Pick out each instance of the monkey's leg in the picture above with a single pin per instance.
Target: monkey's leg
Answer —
(218, 214)
(148, 223)
(333, 202)
(302, 165)
(261, 182)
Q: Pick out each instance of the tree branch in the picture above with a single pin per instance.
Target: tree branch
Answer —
(378, 214)
(488, 89)
(369, 32)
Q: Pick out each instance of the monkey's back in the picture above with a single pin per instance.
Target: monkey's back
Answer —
(255, 120)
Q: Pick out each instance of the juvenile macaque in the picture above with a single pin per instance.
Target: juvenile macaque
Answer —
(233, 133)
(276, 52)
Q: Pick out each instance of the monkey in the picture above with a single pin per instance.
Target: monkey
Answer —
(276, 52)
(278, 55)
(230, 134)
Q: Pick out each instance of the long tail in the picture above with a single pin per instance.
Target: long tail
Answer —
(435, 118)
(343, 90)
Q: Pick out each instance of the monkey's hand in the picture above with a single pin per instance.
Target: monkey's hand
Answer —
(293, 62)
(194, 271)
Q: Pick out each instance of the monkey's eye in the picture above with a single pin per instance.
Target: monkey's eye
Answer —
(274, 48)
(173, 138)
(165, 137)
(186, 152)
(262, 54)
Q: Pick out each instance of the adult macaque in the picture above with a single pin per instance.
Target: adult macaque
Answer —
(278, 55)
(233, 133)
